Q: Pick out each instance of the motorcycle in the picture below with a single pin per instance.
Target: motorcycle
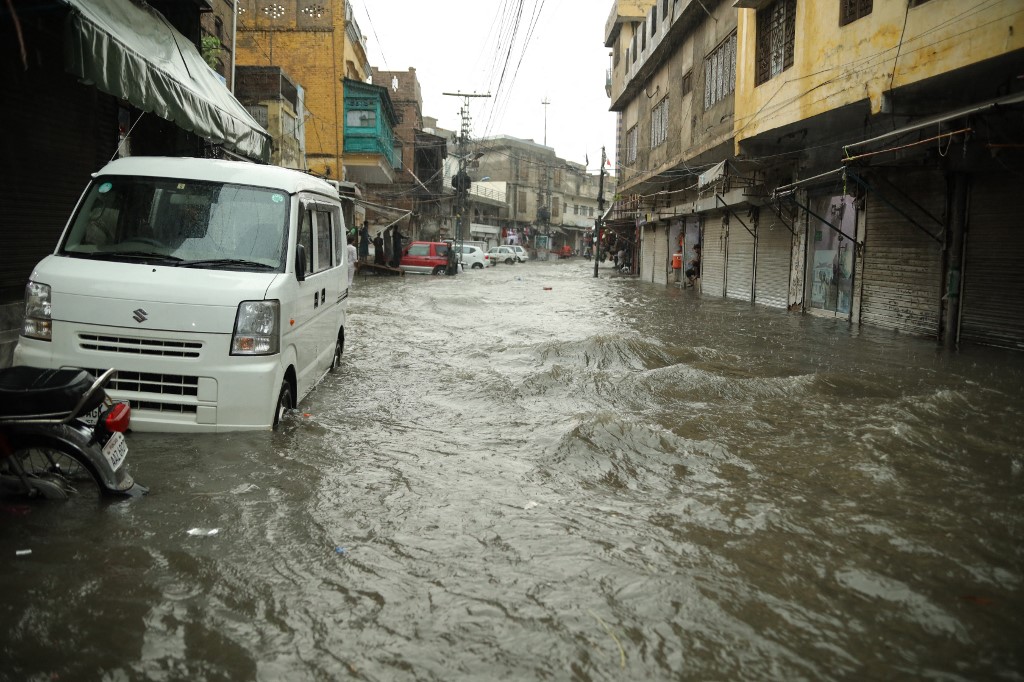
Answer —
(62, 435)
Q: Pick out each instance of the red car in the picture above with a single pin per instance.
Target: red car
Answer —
(428, 258)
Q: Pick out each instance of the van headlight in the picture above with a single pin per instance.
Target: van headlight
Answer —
(257, 328)
(38, 322)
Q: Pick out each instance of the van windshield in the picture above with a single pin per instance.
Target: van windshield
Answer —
(181, 222)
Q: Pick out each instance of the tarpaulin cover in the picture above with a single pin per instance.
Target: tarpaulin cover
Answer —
(132, 52)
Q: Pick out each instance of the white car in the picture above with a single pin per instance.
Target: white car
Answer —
(473, 257)
(502, 254)
(521, 255)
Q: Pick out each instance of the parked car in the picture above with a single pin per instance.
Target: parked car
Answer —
(502, 254)
(521, 255)
(473, 257)
(427, 258)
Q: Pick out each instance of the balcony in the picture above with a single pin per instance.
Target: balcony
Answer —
(370, 121)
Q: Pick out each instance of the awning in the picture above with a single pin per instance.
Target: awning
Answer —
(132, 52)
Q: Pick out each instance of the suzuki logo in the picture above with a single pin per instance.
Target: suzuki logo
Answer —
(140, 315)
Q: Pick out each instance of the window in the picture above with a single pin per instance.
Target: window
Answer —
(687, 85)
(659, 123)
(306, 237)
(776, 25)
(361, 118)
(323, 241)
(643, 36)
(852, 10)
(664, 9)
(522, 201)
(654, 20)
(720, 72)
(554, 209)
(631, 145)
(633, 47)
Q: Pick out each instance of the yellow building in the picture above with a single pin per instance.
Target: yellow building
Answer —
(319, 45)
(892, 132)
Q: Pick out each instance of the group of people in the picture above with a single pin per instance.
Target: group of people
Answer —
(387, 248)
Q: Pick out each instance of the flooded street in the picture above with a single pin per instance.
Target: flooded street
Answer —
(526, 473)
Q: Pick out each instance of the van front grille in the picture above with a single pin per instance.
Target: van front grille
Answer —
(155, 384)
(140, 346)
(172, 408)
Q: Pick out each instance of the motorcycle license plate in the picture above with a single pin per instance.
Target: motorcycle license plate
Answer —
(116, 450)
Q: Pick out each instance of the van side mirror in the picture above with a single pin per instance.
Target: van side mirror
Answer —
(300, 262)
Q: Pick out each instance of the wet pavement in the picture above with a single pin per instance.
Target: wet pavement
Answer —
(526, 473)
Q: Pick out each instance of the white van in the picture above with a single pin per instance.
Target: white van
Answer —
(217, 290)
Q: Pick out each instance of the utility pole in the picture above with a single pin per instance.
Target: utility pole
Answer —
(545, 102)
(460, 182)
(600, 215)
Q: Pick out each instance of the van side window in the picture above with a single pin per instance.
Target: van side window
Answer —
(306, 237)
(339, 236)
(323, 240)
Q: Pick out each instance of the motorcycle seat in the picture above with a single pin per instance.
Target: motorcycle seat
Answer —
(36, 392)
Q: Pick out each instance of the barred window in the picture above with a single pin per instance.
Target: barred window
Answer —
(852, 10)
(631, 145)
(687, 84)
(776, 25)
(720, 71)
(659, 123)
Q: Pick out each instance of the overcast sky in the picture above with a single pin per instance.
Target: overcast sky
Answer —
(466, 46)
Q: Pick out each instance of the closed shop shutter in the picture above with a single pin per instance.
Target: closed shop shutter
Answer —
(713, 251)
(774, 254)
(647, 253)
(740, 270)
(902, 264)
(59, 132)
(992, 308)
(661, 261)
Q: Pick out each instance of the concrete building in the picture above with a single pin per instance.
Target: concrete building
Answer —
(849, 159)
(319, 45)
(418, 184)
(276, 102)
(540, 190)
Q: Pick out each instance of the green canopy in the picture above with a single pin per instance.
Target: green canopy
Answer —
(132, 52)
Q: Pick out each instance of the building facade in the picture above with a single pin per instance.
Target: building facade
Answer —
(319, 45)
(808, 146)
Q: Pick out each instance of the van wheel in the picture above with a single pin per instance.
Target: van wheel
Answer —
(509, 261)
(478, 266)
(285, 402)
(439, 270)
(339, 348)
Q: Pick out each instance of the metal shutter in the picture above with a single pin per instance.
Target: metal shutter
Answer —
(647, 252)
(992, 308)
(740, 270)
(662, 265)
(712, 261)
(57, 132)
(774, 256)
(903, 265)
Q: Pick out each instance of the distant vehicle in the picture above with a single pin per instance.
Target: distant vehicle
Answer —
(473, 257)
(502, 254)
(425, 258)
(521, 254)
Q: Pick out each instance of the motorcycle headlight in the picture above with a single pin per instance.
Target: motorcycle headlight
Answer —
(38, 323)
(257, 328)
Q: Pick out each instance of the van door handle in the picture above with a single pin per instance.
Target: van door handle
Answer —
(323, 295)
(316, 299)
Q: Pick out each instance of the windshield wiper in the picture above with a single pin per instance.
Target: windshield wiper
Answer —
(225, 262)
(117, 255)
